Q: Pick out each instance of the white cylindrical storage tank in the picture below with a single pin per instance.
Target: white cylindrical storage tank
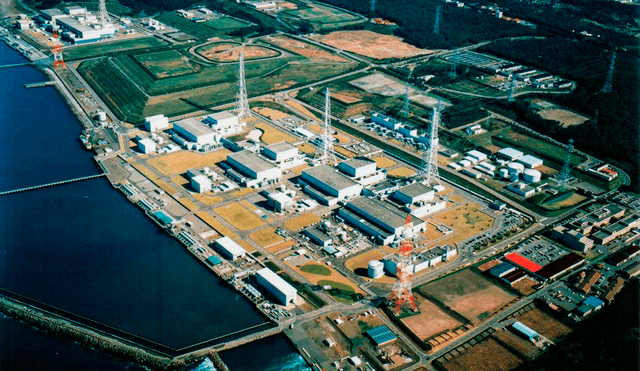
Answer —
(376, 269)
(531, 176)
(513, 177)
(515, 168)
(102, 116)
(504, 173)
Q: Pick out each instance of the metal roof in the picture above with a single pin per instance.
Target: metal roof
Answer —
(277, 281)
(379, 211)
(381, 335)
(593, 302)
(162, 217)
(523, 262)
(414, 190)
(230, 246)
(327, 175)
(529, 160)
(280, 147)
(251, 161)
(222, 115)
(214, 260)
(510, 152)
(193, 126)
(524, 330)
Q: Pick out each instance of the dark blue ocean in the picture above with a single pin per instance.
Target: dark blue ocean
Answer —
(83, 248)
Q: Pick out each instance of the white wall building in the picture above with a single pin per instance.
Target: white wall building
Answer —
(229, 248)
(277, 286)
(146, 145)
(194, 131)
(332, 186)
(251, 169)
(279, 201)
(201, 183)
(156, 123)
(225, 123)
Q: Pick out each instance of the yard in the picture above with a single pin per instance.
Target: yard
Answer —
(239, 217)
(266, 237)
(302, 221)
(431, 320)
(271, 135)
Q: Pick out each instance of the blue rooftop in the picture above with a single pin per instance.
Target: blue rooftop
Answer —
(524, 330)
(163, 218)
(214, 260)
(593, 302)
(381, 335)
(330, 250)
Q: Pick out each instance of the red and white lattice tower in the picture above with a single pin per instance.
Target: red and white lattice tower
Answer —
(401, 293)
(57, 51)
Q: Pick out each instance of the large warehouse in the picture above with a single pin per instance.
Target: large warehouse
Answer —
(229, 248)
(276, 286)
(283, 154)
(329, 186)
(418, 199)
(377, 219)
(363, 171)
(224, 122)
(194, 131)
(250, 169)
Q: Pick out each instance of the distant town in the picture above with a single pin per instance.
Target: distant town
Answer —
(327, 174)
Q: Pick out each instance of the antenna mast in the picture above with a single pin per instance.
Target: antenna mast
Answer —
(242, 102)
(401, 293)
(325, 154)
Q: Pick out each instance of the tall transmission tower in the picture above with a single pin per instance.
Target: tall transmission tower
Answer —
(103, 15)
(436, 24)
(373, 6)
(430, 174)
(401, 293)
(325, 154)
(512, 89)
(563, 178)
(406, 108)
(242, 102)
(606, 88)
(57, 51)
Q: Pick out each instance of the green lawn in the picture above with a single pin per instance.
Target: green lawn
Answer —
(225, 23)
(316, 269)
(103, 48)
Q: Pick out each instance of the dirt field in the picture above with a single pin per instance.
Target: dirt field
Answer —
(274, 249)
(190, 205)
(270, 113)
(469, 294)
(428, 100)
(247, 246)
(517, 344)
(144, 170)
(233, 54)
(359, 264)
(216, 225)
(342, 138)
(271, 135)
(566, 118)
(315, 128)
(302, 221)
(302, 109)
(266, 237)
(544, 324)
(488, 265)
(239, 217)
(207, 198)
(304, 49)
(525, 286)
(299, 169)
(384, 162)
(168, 64)
(466, 220)
(179, 162)
(347, 96)
(343, 151)
(486, 356)
(431, 320)
(371, 44)
(307, 148)
(378, 83)
(401, 172)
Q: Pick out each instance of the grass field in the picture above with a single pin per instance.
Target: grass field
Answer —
(242, 192)
(225, 23)
(198, 30)
(307, 148)
(302, 221)
(430, 321)
(459, 219)
(537, 147)
(239, 217)
(359, 264)
(190, 205)
(179, 162)
(153, 178)
(559, 201)
(278, 247)
(384, 162)
(305, 49)
(207, 199)
(401, 172)
(168, 63)
(270, 113)
(216, 225)
(247, 246)
(469, 294)
(485, 356)
(318, 269)
(101, 49)
(334, 278)
(323, 16)
(515, 343)
(271, 135)
(266, 237)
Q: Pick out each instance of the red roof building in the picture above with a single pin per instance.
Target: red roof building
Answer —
(523, 262)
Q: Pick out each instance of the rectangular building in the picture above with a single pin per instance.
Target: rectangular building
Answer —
(224, 123)
(413, 193)
(229, 248)
(201, 183)
(276, 286)
(194, 131)
(253, 167)
(156, 123)
(332, 185)
(509, 154)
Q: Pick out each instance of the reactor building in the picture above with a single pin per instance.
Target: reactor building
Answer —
(251, 170)
(276, 286)
(328, 186)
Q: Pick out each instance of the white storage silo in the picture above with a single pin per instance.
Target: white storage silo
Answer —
(504, 173)
(531, 176)
(515, 168)
(376, 269)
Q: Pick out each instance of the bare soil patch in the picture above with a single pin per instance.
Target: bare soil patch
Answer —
(304, 49)
(486, 356)
(565, 117)
(431, 320)
(544, 324)
(371, 44)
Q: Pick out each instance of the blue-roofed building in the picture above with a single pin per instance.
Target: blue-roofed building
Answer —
(330, 250)
(162, 218)
(523, 330)
(502, 269)
(214, 260)
(584, 310)
(381, 335)
(593, 302)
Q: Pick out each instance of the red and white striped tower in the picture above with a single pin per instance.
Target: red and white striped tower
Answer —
(401, 293)
(57, 51)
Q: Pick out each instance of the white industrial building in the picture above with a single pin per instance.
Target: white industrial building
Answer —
(276, 286)
(283, 154)
(224, 123)
(378, 219)
(477, 155)
(418, 199)
(509, 154)
(279, 201)
(146, 145)
(530, 162)
(156, 123)
(328, 186)
(194, 131)
(229, 248)
(363, 171)
(201, 183)
(521, 189)
(251, 170)
(78, 25)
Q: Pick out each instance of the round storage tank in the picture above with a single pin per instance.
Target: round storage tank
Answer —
(531, 176)
(102, 116)
(513, 177)
(515, 167)
(504, 173)
(376, 269)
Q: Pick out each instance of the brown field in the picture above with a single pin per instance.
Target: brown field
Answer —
(270, 113)
(547, 170)
(371, 44)
(190, 205)
(485, 356)
(345, 152)
(179, 180)
(239, 217)
(302, 221)
(271, 135)
(517, 344)
(347, 96)
(566, 118)
(334, 276)
(342, 138)
(544, 324)
(232, 55)
(384, 162)
(359, 264)
(216, 225)
(466, 220)
(431, 320)
(247, 246)
(266, 237)
(431, 234)
(153, 178)
(274, 249)
(307, 148)
(525, 286)
(456, 198)
(488, 265)
(179, 162)
(207, 198)
(401, 172)
(242, 192)
(304, 49)
(298, 170)
(302, 109)
(314, 128)
(469, 294)
(287, 5)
